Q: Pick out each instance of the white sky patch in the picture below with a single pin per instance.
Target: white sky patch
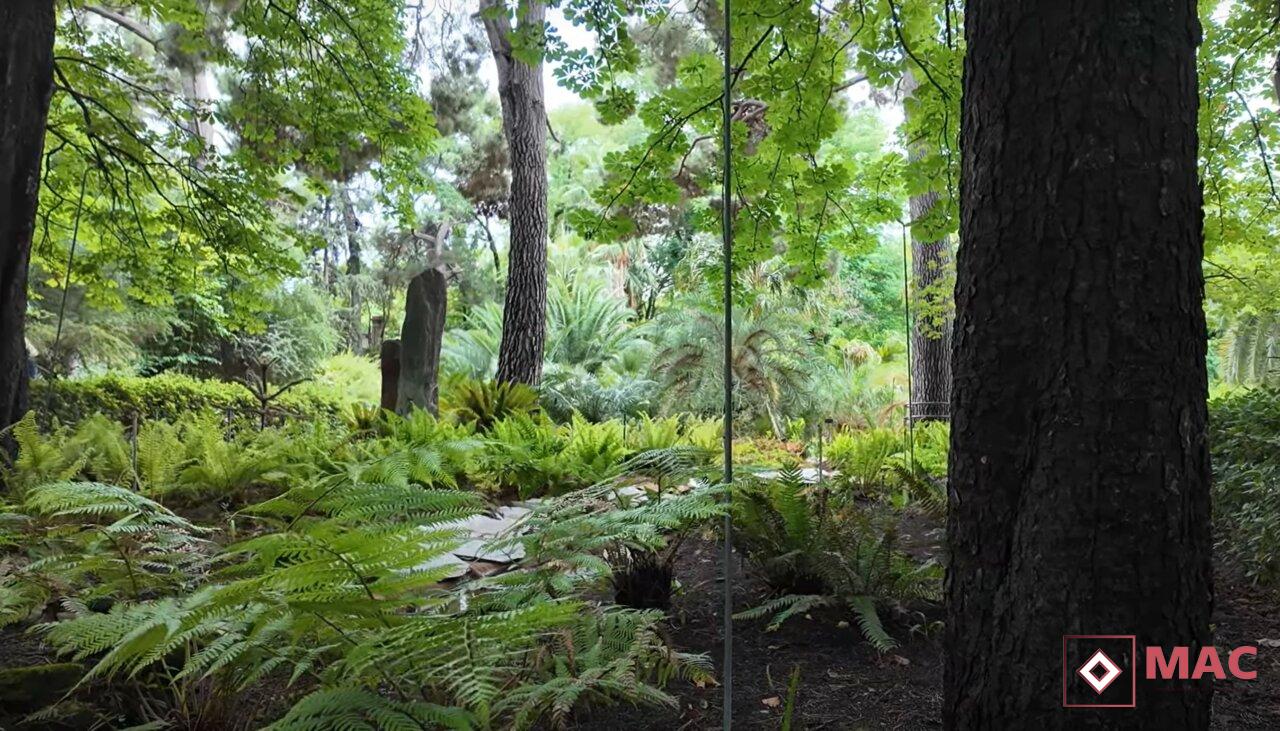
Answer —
(556, 95)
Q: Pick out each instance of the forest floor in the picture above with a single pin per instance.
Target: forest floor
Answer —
(846, 686)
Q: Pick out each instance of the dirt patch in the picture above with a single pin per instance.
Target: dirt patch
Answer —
(846, 685)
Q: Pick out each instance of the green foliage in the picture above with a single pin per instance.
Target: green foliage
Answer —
(1244, 436)
(347, 378)
(93, 543)
(340, 588)
(930, 445)
(484, 403)
(165, 397)
(861, 456)
(816, 550)
(586, 327)
(766, 364)
(597, 397)
(190, 461)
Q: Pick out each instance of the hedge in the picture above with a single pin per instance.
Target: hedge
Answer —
(166, 397)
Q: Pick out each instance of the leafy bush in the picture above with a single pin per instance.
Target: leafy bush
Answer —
(930, 445)
(190, 460)
(346, 378)
(530, 456)
(164, 397)
(1244, 435)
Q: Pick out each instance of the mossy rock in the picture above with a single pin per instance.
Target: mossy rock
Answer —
(36, 686)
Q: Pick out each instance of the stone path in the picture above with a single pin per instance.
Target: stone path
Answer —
(477, 556)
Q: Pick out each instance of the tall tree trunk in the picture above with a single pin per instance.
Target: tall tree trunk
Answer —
(1079, 474)
(524, 120)
(26, 73)
(931, 329)
(354, 267)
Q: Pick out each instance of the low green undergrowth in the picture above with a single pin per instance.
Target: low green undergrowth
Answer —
(1244, 437)
(817, 548)
(339, 595)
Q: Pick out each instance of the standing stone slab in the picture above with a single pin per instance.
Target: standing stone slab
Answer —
(389, 357)
(420, 340)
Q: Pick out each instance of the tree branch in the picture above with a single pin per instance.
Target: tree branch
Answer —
(124, 21)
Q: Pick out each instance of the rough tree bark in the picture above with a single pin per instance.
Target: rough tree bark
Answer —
(1079, 472)
(930, 335)
(26, 73)
(524, 121)
(420, 342)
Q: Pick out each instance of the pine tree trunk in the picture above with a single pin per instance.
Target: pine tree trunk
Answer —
(931, 305)
(524, 121)
(1079, 473)
(26, 73)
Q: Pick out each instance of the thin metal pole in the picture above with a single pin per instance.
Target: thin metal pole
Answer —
(726, 212)
(906, 309)
(66, 286)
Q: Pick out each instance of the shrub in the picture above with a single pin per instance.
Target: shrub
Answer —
(165, 397)
(192, 459)
(597, 396)
(1244, 435)
(346, 378)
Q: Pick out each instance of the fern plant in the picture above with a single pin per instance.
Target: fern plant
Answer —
(861, 456)
(345, 591)
(92, 544)
(635, 534)
(814, 552)
(40, 458)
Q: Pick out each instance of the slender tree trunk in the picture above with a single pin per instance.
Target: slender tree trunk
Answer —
(26, 73)
(1079, 473)
(524, 120)
(931, 305)
(354, 267)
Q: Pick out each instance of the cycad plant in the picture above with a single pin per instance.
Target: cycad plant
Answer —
(767, 363)
(586, 327)
(482, 403)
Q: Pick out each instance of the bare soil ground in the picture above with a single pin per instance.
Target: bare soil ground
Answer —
(846, 685)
